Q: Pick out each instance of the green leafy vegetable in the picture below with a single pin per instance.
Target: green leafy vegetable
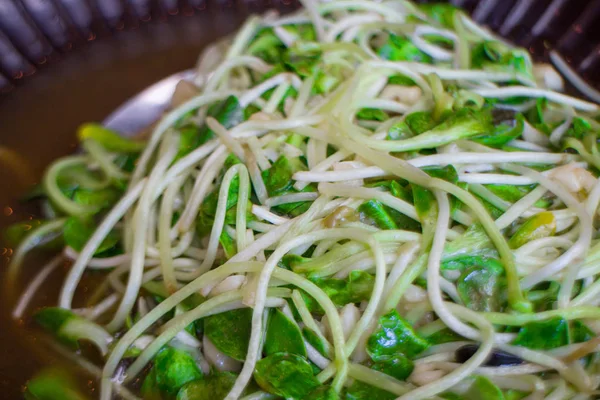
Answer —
(315, 341)
(278, 181)
(483, 389)
(399, 48)
(15, 233)
(362, 391)
(267, 46)
(216, 386)
(283, 335)
(401, 80)
(544, 295)
(399, 131)
(171, 370)
(228, 244)
(302, 60)
(278, 178)
(98, 199)
(463, 262)
(441, 13)
(515, 193)
(460, 125)
(512, 394)
(412, 125)
(538, 226)
(354, 289)
(52, 384)
(426, 207)
(580, 332)
(372, 114)
(480, 287)
(442, 336)
(109, 139)
(206, 215)
(394, 335)
(228, 113)
(544, 335)
(59, 322)
(398, 366)
(474, 242)
(325, 83)
(322, 393)
(420, 121)
(447, 173)
(502, 133)
(286, 375)
(78, 231)
(451, 396)
(230, 332)
(375, 213)
(495, 55)
(579, 128)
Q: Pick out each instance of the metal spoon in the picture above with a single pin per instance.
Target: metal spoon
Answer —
(146, 107)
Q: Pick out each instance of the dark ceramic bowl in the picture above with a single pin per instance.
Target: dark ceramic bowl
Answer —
(64, 62)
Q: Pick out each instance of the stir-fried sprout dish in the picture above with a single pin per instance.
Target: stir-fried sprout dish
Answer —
(360, 200)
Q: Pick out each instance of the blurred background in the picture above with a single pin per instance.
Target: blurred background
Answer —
(65, 62)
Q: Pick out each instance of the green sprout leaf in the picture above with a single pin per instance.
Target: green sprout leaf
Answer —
(362, 391)
(463, 124)
(230, 332)
(398, 366)
(78, 231)
(322, 393)
(171, 370)
(228, 113)
(216, 386)
(483, 389)
(399, 48)
(537, 226)
(544, 335)
(287, 375)
(283, 335)
(52, 384)
(354, 289)
(394, 336)
(15, 233)
(480, 287)
(109, 139)
(441, 13)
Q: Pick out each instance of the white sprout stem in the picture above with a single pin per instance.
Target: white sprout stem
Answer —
(82, 328)
(514, 91)
(263, 282)
(53, 190)
(169, 120)
(268, 216)
(99, 263)
(140, 220)
(232, 145)
(519, 207)
(574, 256)
(201, 187)
(291, 198)
(104, 160)
(34, 285)
(164, 237)
(118, 211)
